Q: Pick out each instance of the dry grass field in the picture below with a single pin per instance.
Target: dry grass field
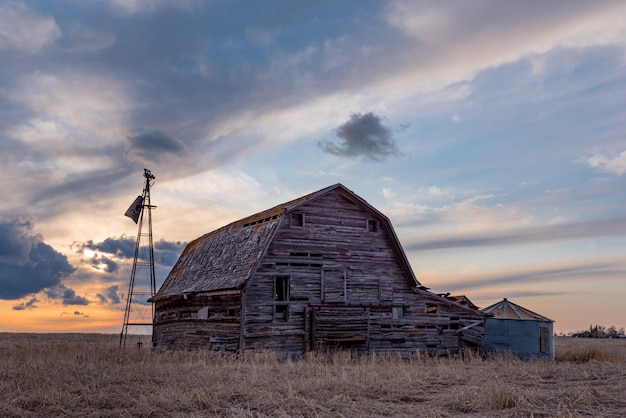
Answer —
(86, 375)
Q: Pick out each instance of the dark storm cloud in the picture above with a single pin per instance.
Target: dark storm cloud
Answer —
(363, 135)
(113, 295)
(27, 265)
(26, 305)
(175, 246)
(67, 295)
(71, 298)
(110, 266)
(123, 247)
(16, 240)
(110, 295)
(165, 252)
(153, 147)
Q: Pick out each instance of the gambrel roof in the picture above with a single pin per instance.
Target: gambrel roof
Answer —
(227, 257)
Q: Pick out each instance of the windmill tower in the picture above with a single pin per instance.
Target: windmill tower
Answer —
(139, 312)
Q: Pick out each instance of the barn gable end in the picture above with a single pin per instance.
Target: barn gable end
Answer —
(321, 272)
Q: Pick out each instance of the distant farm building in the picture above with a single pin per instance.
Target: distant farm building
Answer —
(322, 272)
(511, 328)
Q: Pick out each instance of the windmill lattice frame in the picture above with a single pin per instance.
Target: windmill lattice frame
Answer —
(140, 212)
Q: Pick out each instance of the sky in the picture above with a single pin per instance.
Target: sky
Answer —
(491, 133)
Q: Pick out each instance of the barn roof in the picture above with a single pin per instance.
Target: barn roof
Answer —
(227, 257)
(462, 299)
(506, 309)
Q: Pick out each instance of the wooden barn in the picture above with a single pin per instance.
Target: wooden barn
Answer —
(322, 272)
(511, 328)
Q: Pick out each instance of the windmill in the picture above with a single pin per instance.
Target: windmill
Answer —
(138, 315)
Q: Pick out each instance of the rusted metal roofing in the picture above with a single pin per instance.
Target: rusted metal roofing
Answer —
(227, 257)
(506, 309)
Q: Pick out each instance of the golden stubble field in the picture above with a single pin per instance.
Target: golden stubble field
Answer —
(86, 375)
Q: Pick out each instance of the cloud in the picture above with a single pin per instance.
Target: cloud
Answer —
(75, 313)
(71, 298)
(610, 269)
(123, 247)
(24, 30)
(447, 34)
(68, 296)
(86, 39)
(153, 147)
(609, 227)
(16, 240)
(104, 263)
(26, 305)
(84, 104)
(165, 252)
(111, 295)
(27, 265)
(363, 135)
(132, 7)
(615, 165)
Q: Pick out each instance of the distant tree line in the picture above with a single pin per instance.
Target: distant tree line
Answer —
(599, 331)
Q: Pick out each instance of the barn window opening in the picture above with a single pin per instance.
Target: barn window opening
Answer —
(281, 294)
(203, 313)
(431, 309)
(281, 288)
(544, 337)
(305, 254)
(258, 221)
(179, 315)
(397, 312)
(454, 322)
(281, 311)
(372, 225)
(230, 312)
(297, 219)
(304, 259)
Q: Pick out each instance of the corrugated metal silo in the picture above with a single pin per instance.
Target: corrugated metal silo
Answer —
(515, 329)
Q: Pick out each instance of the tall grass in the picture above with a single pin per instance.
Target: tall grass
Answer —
(49, 376)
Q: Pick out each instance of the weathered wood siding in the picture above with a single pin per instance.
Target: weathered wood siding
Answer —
(328, 274)
(207, 321)
(347, 289)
